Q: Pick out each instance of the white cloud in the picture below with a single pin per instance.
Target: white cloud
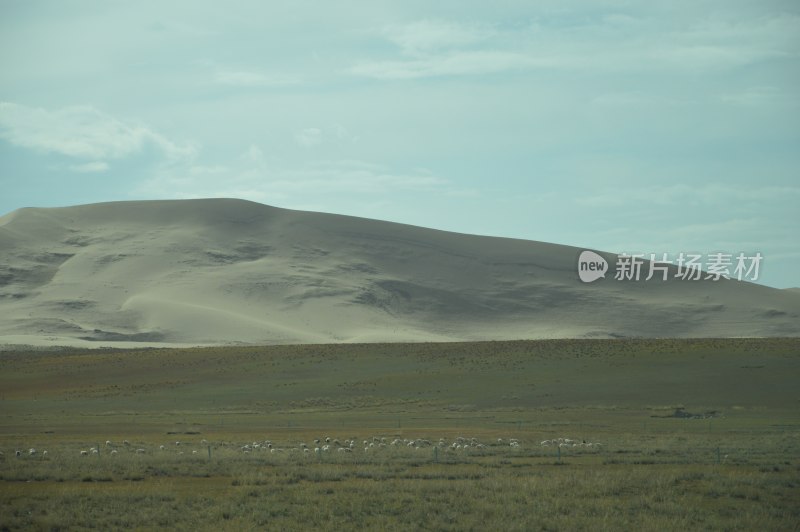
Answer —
(200, 169)
(757, 96)
(638, 99)
(685, 195)
(613, 42)
(427, 35)
(452, 64)
(341, 133)
(81, 132)
(355, 176)
(90, 167)
(308, 137)
(247, 78)
(431, 48)
(702, 56)
(314, 136)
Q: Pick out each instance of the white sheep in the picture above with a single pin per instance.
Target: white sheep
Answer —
(84, 453)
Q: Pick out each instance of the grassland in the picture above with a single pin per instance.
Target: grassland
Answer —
(693, 434)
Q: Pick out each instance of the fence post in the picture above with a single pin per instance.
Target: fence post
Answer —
(209, 452)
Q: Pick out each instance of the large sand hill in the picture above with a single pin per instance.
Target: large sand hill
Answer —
(222, 271)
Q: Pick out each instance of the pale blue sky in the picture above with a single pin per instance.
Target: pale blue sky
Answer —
(621, 126)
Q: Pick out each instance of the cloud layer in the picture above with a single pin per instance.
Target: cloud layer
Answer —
(611, 42)
(81, 132)
(611, 125)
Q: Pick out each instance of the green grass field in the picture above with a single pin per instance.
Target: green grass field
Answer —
(684, 434)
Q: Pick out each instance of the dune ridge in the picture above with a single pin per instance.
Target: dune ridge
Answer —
(226, 271)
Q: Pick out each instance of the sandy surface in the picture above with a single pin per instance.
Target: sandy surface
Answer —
(229, 271)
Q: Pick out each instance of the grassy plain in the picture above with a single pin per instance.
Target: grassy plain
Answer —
(693, 434)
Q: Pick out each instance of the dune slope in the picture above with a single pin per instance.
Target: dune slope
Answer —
(222, 271)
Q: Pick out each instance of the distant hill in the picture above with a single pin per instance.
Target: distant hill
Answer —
(222, 271)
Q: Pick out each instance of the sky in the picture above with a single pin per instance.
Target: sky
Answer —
(636, 127)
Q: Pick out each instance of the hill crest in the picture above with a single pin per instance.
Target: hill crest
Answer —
(221, 271)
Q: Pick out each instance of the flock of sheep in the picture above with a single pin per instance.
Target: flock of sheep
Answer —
(570, 444)
(30, 452)
(326, 444)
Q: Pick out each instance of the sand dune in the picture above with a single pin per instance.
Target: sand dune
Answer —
(229, 271)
